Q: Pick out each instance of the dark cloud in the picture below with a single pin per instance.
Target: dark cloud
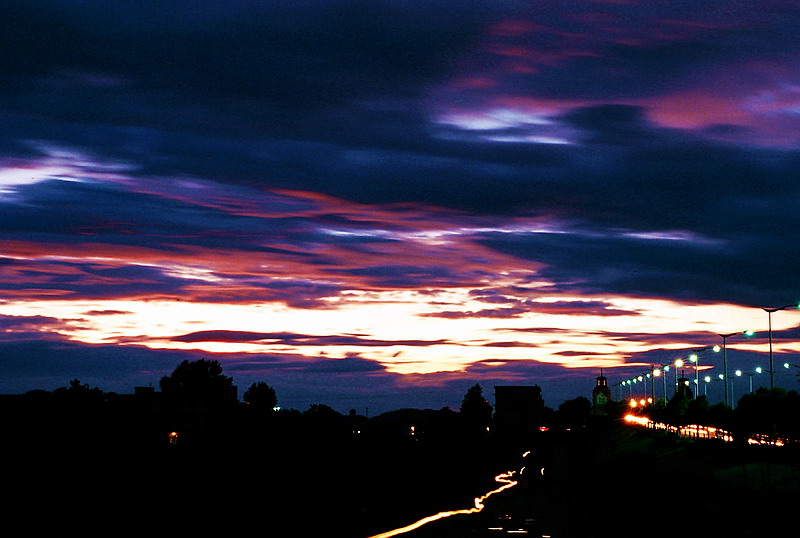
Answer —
(296, 339)
(402, 276)
(107, 313)
(16, 323)
(277, 58)
(524, 306)
(621, 50)
(211, 137)
(496, 313)
(744, 272)
(89, 281)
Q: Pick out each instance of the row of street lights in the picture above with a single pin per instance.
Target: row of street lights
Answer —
(656, 371)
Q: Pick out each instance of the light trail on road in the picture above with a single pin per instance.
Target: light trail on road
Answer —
(503, 478)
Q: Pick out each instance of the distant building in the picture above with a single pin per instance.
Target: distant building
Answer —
(683, 389)
(517, 409)
(144, 390)
(601, 395)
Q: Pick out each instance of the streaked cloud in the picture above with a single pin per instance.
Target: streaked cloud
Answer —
(420, 193)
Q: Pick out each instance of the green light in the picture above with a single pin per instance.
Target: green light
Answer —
(693, 357)
(720, 376)
(758, 369)
(749, 332)
(707, 379)
(785, 364)
(666, 368)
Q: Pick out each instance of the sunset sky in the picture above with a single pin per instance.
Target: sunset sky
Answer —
(379, 203)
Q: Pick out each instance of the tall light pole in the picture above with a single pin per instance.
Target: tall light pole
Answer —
(678, 364)
(769, 312)
(656, 373)
(750, 376)
(725, 363)
(695, 359)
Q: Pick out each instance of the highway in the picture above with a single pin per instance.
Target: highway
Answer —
(507, 481)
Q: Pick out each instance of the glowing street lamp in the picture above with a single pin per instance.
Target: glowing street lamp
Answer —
(769, 312)
(693, 359)
(738, 373)
(678, 364)
(655, 372)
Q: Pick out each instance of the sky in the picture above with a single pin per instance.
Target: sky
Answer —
(376, 204)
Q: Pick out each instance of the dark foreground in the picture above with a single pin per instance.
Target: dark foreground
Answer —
(603, 480)
(611, 480)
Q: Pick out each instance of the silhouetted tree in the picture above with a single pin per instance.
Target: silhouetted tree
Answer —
(575, 412)
(766, 410)
(78, 388)
(198, 382)
(261, 396)
(323, 420)
(675, 410)
(79, 393)
(697, 410)
(321, 411)
(475, 409)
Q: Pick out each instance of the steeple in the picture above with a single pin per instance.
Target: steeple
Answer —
(601, 395)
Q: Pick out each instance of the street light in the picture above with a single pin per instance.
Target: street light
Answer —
(749, 375)
(769, 312)
(678, 364)
(725, 357)
(695, 359)
(738, 374)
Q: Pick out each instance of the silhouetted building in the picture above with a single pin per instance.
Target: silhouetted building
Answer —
(601, 395)
(517, 409)
(683, 389)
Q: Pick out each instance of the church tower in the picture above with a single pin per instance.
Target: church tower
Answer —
(601, 395)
